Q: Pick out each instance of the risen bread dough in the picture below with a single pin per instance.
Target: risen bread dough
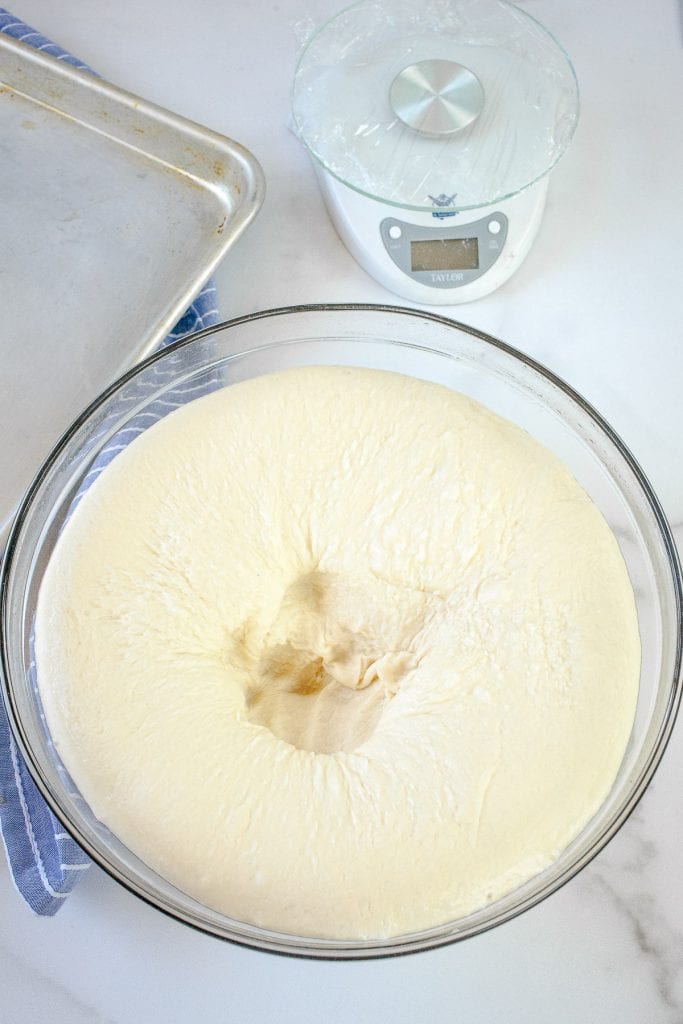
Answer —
(339, 652)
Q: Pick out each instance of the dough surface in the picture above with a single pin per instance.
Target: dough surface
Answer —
(339, 652)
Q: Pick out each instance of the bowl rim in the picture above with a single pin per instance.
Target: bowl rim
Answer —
(343, 949)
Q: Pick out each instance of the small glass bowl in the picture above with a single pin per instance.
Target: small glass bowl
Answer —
(421, 345)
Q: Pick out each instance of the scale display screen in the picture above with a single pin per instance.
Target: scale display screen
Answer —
(445, 254)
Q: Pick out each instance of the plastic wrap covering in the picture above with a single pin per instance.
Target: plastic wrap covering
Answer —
(343, 114)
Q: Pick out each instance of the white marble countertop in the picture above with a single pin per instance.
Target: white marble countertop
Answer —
(600, 301)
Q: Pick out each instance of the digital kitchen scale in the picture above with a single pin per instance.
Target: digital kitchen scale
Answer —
(433, 126)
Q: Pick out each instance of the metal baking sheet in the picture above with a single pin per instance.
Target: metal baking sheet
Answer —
(113, 213)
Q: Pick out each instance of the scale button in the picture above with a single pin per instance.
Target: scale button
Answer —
(494, 226)
(395, 231)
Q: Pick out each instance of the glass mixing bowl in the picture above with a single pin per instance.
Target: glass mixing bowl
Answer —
(411, 342)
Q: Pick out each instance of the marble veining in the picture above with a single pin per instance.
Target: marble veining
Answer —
(599, 301)
(656, 939)
(28, 986)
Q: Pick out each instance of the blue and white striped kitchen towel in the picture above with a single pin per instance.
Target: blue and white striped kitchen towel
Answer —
(44, 861)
